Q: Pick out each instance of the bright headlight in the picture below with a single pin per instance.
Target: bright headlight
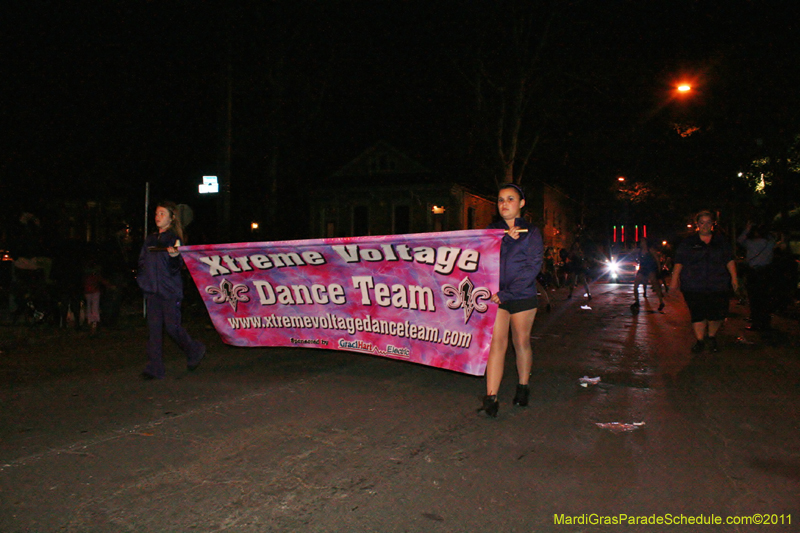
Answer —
(613, 268)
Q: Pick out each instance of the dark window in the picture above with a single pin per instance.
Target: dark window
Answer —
(360, 220)
(402, 219)
(381, 163)
(438, 222)
(471, 212)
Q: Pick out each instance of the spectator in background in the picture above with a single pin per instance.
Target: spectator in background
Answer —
(68, 276)
(760, 246)
(93, 285)
(785, 284)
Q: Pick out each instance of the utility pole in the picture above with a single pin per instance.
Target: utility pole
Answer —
(225, 188)
(146, 220)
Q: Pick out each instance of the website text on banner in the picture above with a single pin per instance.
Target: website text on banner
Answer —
(421, 297)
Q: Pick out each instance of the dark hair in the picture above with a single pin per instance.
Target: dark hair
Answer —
(175, 224)
(512, 186)
(702, 214)
(758, 231)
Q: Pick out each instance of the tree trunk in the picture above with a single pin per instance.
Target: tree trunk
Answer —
(272, 231)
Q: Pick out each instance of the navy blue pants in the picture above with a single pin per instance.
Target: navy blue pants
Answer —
(164, 313)
(759, 292)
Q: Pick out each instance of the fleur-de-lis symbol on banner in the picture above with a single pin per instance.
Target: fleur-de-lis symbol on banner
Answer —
(228, 292)
(468, 297)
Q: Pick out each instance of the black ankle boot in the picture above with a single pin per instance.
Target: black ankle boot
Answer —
(522, 395)
(490, 405)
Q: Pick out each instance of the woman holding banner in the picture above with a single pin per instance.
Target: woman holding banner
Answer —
(159, 277)
(521, 255)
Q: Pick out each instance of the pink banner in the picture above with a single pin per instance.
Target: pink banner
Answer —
(422, 298)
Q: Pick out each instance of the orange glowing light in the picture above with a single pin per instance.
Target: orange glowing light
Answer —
(684, 88)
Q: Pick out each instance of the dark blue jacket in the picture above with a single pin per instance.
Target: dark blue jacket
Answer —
(158, 272)
(520, 261)
(704, 265)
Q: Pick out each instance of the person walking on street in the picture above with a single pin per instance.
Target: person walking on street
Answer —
(649, 270)
(543, 285)
(666, 270)
(159, 277)
(705, 272)
(578, 270)
(521, 254)
(760, 246)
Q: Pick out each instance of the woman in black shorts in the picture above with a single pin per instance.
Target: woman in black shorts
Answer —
(520, 261)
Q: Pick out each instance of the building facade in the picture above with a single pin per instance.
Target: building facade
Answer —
(384, 192)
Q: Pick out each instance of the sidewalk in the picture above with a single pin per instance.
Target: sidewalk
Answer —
(308, 440)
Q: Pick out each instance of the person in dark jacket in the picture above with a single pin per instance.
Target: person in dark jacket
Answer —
(705, 271)
(648, 272)
(760, 276)
(578, 270)
(159, 277)
(520, 262)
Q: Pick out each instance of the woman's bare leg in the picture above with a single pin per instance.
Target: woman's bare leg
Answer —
(497, 352)
(521, 324)
(699, 329)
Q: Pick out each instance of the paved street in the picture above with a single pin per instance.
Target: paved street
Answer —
(263, 440)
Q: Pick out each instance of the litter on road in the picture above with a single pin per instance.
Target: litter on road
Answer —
(585, 381)
(619, 427)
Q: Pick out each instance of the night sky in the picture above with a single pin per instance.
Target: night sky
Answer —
(98, 100)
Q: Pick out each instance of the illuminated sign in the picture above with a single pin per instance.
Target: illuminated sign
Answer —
(210, 185)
